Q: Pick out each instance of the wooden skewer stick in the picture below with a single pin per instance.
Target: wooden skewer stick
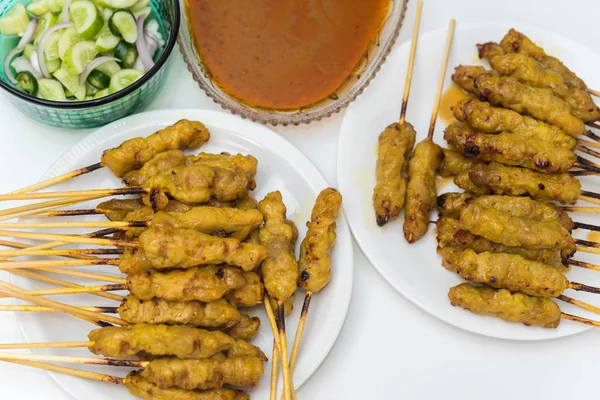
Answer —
(60, 282)
(583, 173)
(78, 290)
(593, 92)
(588, 143)
(42, 309)
(275, 331)
(580, 287)
(591, 134)
(73, 360)
(75, 225)
(585, 197)
(17, 289)
(72, 371)
(274, 372)
(579, 303)
(288, 386)
(582, 264)
(84, 275)
(29, 209)
(438, 94)
(585, 150)
(300, 330)
(45, 345)
(584, 163)
(51, 245)
(590, 250)
(55, 253)
(411, 61)
(67, 238)
(59, 179)
(63, 307)
(57, 263)
(66, 213)
(580, 319)
(589, 227)
(75, 193)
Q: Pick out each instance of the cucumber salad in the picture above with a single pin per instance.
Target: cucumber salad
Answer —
(75, 50)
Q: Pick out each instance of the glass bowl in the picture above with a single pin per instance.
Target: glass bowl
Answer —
(90, 113)
(354, 85)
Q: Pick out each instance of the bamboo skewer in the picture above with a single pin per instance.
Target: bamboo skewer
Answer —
(588, 143)
(585, 197)
(591, 134)
(63, 307)
(411, 61)
(438, 93)
(582, 209)
(589, 227)
(74, 225)
(59, 179)
(20, 211)
(67, 238)
(82, 289)
(52, 253)
(84, 275)
(276, 338)
(42, 309)
(16, 289)
(274, 372)
(73, 360)
(66, 213)
(580, 287)
(300, 330)
(583, 264)
(72, 371)
(585, 150)
(75, 193)
(590, 250)
(5, 265)
(288, 386)
(45, 345)
(60, 282)
(579, 303)
(594, 92)
(580, 319)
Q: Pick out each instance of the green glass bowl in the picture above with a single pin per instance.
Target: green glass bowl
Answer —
(90, 113)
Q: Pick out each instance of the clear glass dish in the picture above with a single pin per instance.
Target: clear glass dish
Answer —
(354, 85)
(90, 113)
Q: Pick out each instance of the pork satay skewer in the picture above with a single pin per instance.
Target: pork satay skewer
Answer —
(133, 153)
(279, 269)
(395, 144)
(510, 272)
(425, 160)
(315, 255)
(511, 307)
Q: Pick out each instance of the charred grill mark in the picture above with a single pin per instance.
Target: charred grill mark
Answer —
(304, 276)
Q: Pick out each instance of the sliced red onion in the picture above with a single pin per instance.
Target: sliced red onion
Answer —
(140, 44)
(41, 46)
(92, 66)
(6, 65)
(36, 65)
(21, 64)
(28, 34)
(64, 14)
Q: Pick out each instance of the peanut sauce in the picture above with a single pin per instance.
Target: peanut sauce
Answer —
(283, 54)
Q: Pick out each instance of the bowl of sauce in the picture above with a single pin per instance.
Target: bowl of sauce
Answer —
(287, 61)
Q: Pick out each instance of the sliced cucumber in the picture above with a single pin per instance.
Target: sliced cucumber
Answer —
(87, 18)
(127, 53)
(122, 23)
(14, 21)
(101, 93)
(106, 40)
(28, 50)
(107, 13)
(56, 6)
(68, 39)
(71, 83)
(44, 22)
(109, 68)
(51, 46)
(122, 79)
(53, 65)
(50, 89)
(38, 7)
(144, 11)
(117, 4)
(27, 83)
(99, 79)
(90, 90)
(141, 4)
(69, 94)
(79, 56)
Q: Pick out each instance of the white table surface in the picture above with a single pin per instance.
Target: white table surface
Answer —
(388, 349)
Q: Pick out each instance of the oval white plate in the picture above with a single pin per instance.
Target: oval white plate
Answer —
(281, 167)
(415, 270)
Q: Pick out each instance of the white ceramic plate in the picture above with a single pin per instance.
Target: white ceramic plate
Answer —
(415, 270)
(281, 167)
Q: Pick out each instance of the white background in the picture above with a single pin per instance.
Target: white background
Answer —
(389, 349)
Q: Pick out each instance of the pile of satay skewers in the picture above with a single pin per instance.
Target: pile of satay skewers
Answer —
(516, 149)
(195, 247)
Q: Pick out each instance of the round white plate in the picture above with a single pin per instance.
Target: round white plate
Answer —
(281, 167)
(415, 270)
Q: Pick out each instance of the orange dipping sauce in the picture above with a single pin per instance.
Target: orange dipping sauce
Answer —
(283, 54)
